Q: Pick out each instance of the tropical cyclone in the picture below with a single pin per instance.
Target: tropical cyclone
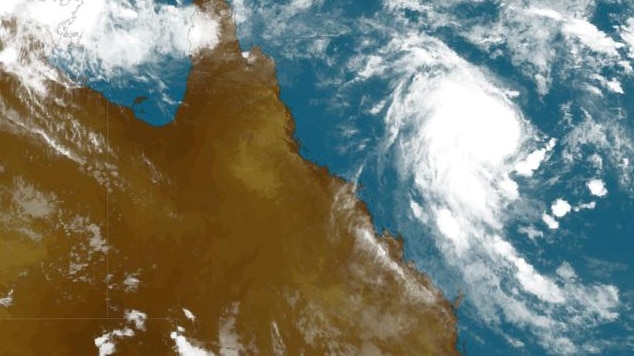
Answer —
(208, 236)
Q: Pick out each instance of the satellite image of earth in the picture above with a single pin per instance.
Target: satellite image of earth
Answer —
(316, 177)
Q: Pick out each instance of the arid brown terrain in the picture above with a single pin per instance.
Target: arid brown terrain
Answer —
(211, 231)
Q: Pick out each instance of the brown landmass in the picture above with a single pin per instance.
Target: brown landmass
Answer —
(216, 213)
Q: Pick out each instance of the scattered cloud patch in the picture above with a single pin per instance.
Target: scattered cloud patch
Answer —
(7, 300)
(609, 140)
(585, 206)
(31, 201)
(560, 208)
(136, 317)
(531, 232)
(550, 221)
(97, 242)
(185, 347)
(189, 315)
(107, 342)
(566, 271)
(228, 337)
(615, 86)
(534, 160)
(131, 283)
(597, 187)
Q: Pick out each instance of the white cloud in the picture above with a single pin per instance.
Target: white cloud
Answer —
(7, 300)
(529, 33)
(106, 37)
(107, 343)
(550, 222)
(31, 201)
(531, 232)
(586, 206)
(597, 187)
(302, 4)
(591, 37)
(189, 315)
(536, 284)
(185, 348)
(565, 271)
(615, 86)
(627, 34)
(458, 147)
(450, 228)
(136, 317)
(228, 337)
(417, 210)
(122, 35)
(545, 12)
(465, 126)
(279, 348)
(533, 161)
(412, 5)
(560, 208)
(131, 283)
(241, 13)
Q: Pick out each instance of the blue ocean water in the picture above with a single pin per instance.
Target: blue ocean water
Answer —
(335, 130)
(153, 91)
